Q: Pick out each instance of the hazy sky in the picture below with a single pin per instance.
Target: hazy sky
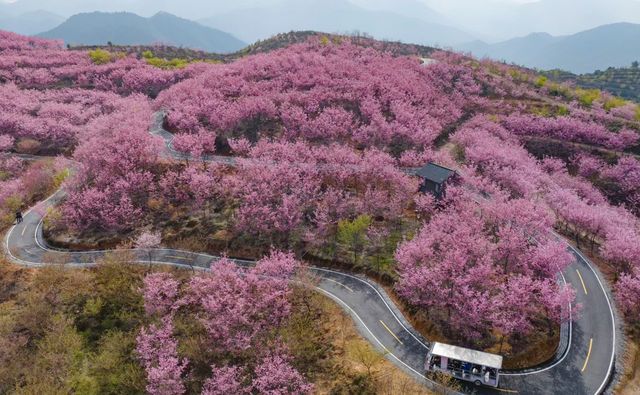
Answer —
(499, 19)
(486, 19)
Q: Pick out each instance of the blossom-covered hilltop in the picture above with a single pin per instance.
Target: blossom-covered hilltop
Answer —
(308, 153)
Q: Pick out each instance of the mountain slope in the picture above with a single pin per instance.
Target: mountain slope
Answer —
(408, 8)
(504, 19)
(605, 46)
(333, 16)
(191, 9)
(127, 29)
(29, 22)
(565, 16)
(525, 49)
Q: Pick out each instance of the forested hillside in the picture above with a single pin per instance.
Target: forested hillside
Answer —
(619, 81)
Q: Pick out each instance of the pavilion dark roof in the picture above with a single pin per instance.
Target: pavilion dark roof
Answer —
(435, 173)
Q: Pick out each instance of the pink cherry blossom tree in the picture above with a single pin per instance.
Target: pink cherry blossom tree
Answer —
(240, 309)
(627, 296)
(157, 349)
(6, 142)
(110, 190)
(160, 293)
(223, 381)
(344, 93)
(466, 262)
(148, 241)
(275, 375)
(237, 308)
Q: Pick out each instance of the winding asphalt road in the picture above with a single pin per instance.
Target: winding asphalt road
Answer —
(584, 367)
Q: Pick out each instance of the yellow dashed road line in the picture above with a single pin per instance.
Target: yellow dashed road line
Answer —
(339, 283)
(506, 390)
(392, 334)
(586, 361)
(582, 281)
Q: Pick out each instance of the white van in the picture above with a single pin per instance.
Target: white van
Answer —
(478, 367)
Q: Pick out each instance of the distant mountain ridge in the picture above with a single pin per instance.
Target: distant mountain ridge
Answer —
(334, 16)
(406, 20)
(29, 23)
(489, 20)
(500, 20)
(125, 28)
(613, 45)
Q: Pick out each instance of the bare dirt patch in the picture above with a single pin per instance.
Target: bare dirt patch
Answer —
(12, 280)
(630, 381)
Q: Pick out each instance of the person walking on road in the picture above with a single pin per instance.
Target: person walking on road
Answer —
(18, 217)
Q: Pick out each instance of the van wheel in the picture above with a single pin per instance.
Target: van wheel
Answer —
(477, 382)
